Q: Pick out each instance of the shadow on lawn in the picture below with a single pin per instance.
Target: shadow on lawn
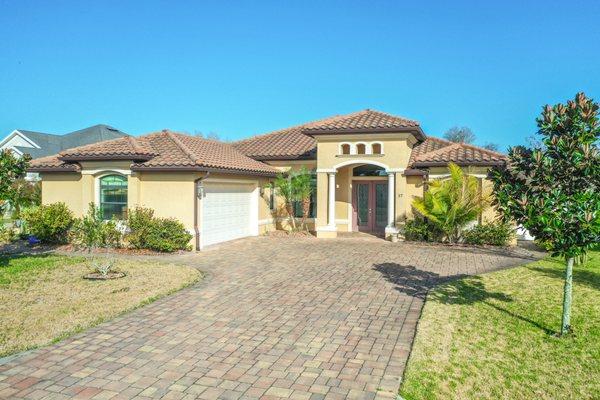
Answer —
(580, 275)
(5, 259)
(457, 289)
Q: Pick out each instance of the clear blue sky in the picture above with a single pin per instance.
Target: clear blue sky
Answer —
(242, 68)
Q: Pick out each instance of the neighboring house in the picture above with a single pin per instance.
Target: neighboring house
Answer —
(368, 168)
(38, 144)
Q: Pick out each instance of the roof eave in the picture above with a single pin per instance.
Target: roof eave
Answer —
(104, 157)
(52, 169)
(426, 164)
(196, 168)
(415, 130)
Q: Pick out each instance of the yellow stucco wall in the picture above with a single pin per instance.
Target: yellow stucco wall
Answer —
(63, 187)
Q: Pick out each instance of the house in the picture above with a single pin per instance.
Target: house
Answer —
(38, 144)
(368, 167)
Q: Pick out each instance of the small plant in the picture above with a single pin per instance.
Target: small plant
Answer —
(103, 266)
(7, 234)
(495, 234)
(49, 223)
(92, 231)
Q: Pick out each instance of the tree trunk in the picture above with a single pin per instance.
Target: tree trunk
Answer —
(566, 317)
(290, 210)
(305, 211)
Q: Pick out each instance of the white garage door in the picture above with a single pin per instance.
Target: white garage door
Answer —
(229, 211)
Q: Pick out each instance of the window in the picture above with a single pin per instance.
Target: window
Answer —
(368, 170)
(113, 197)
(312, 213)
(376, 148)
(361, 148)
(345, 149)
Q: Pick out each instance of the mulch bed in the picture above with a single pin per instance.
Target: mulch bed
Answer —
(96, 276)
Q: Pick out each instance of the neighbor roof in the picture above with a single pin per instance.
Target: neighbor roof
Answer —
(164, 150)
(297, 142)
(51, 144)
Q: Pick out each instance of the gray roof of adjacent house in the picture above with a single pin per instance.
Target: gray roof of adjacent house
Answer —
(52, 144)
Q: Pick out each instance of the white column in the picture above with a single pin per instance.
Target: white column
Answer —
(391, 199)
(331, 201)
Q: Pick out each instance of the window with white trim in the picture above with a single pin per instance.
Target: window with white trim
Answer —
(113, 197)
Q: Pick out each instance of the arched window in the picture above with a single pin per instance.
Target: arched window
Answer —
(376, 148)
(369, 170)
(113, 196)
(346, 149)
(361, 148)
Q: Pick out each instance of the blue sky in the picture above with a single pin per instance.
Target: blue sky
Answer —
(243, 68)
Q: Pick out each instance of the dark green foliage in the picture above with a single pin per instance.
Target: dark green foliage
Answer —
(159, 234)
(495, 234)
(92, 231)
(168, 235)
(420, 230)
(554, 191)
(11, 169)
(49, 223)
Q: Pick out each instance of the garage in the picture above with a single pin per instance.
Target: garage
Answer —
(229, 211)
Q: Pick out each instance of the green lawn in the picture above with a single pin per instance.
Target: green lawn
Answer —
(494, 337)
(44, 298)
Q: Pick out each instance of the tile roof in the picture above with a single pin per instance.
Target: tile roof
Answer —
(297, 142)
(362, 121)
(163, 150)
(437, 152)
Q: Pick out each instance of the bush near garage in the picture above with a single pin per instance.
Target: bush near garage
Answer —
(158, 234)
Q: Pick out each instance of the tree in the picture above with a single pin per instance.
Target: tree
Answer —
(284, 186)
(302, 183)
(460, 135)
(11, 169)
(554, 190)
(491, 146)
(451, 204)
(23, 194)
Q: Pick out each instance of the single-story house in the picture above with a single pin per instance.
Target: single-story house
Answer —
(368, 167)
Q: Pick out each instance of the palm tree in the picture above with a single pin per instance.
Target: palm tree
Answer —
(451, 204)
(302, 182)
(285, 187)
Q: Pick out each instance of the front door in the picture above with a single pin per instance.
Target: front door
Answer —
(369, 205)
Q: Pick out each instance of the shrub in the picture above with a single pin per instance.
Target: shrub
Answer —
(420, 230)
(159, 234)
(495, 234)
(168, 235)
(49, 223)
(92, 231)
(139, 222)
(7, 234)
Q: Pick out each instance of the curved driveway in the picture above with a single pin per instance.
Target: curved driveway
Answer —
(274, 318)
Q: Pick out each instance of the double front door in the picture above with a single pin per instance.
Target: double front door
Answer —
(369, 205)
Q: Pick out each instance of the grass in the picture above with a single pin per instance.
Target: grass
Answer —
(494, 337)
(44, 298)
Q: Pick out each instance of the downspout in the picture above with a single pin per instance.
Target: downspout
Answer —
(196, 196)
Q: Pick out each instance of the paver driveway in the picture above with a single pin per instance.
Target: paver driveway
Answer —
(274, 318)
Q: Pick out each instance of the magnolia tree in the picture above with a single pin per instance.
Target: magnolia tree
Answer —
(554, 190)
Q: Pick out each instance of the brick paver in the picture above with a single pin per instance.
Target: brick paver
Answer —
(274, 318)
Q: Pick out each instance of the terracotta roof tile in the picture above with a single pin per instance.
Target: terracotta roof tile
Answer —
(438, 152)
(297, 142)
(127, 147)
(362, 121)
(163, 150)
